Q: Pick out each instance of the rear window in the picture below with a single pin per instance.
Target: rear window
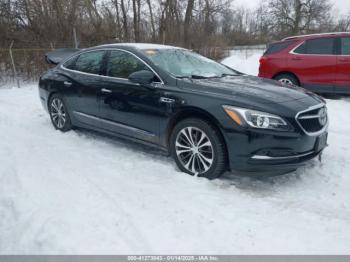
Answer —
(322, 46)
(70, 64)
(89, 62)
(277, 47)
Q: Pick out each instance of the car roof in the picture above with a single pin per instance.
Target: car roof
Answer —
(139, 46)
(321, 35)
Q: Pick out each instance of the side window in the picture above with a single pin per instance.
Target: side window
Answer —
(121, 64)
(277, 47)
(345, 46)
(322, 46)
(90, 62)
(301, 49)
(70, 64)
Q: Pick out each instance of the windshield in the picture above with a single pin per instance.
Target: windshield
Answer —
(184, 63)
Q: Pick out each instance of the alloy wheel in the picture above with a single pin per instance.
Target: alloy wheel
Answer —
(286, 81)
(58, 113)
(194, 150)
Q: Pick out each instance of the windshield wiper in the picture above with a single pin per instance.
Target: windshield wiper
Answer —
(223, 75)
(196, 77)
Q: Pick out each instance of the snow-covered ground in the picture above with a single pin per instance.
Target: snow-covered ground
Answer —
(245, 60)
(83, 193)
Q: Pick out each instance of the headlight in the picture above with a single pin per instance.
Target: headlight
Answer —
(256, 119)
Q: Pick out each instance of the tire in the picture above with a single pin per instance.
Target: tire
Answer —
(59, 114)
(287, 79)
(195, 141)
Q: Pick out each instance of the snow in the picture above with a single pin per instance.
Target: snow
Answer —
(84, 193)
(245, 60)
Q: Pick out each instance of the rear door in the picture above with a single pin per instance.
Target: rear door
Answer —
(83, 85)
(314, 62)
(343, 66)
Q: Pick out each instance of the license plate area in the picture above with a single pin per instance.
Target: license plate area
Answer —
(321, 142)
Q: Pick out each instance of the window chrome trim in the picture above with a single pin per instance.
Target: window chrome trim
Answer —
(260, 157)
(310, 109)
(103, 76)
(126, 127)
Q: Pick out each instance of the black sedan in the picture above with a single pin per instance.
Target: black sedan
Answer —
(209, 117)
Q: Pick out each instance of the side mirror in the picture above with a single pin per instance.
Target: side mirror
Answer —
(142, 77)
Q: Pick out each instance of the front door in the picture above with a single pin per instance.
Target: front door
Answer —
(127, 108)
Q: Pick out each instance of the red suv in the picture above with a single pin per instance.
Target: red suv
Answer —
(320, 62)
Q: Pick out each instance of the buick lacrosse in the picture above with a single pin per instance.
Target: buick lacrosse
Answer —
(207, 116)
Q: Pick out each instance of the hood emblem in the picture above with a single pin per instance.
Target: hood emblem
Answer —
(322, 116)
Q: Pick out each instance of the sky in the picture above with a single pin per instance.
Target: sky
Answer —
(340, 6)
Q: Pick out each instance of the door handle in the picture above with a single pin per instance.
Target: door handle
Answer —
(167, 100)
(106, 91)
(297, 58)
(67, 83)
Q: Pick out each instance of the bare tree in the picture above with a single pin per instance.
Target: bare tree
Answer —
(299, 16)
(125, 20)
(187, 22)
(119, 27)
(343, 23)
(136, 6)
(152, 20)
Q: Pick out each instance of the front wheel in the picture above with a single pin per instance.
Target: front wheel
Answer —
(198, 148)
(59, 114)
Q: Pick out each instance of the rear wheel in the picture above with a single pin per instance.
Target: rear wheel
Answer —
(198, 148)
(59, 114)
(287, 79)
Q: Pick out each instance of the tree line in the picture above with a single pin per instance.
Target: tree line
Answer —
(206, 26)
(188, 23)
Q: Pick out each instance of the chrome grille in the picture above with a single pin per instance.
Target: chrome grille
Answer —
(313, 120)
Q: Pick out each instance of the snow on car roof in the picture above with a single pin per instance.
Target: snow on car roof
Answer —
(144, 46)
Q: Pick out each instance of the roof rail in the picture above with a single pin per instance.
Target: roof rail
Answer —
(320, 34)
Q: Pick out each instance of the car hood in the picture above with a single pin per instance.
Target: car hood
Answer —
(249, 87)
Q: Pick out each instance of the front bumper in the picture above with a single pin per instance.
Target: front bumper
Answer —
(265, 153)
